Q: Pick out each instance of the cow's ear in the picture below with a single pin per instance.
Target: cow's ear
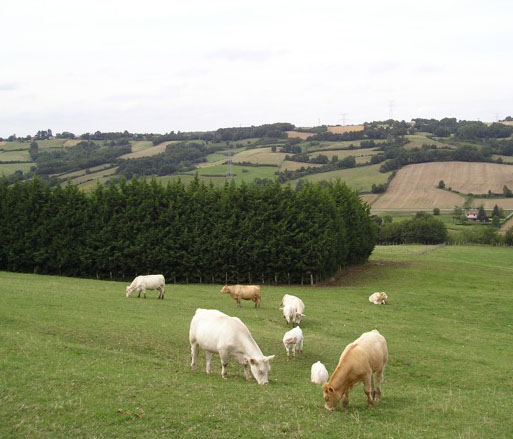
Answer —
(270, 358)
(330, 389)
(252, 361)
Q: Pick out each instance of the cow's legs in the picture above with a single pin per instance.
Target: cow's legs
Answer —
(379, 380)
(368, 389)
(139, 295)
(194, 354)
(345, 400)
(224, 363)
(208, 358)
(144, 292)
(247, 372)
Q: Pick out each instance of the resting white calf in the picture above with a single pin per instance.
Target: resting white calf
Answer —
(214, 331)
(319, 373)
(293, 341)
(378, 298)
(149, 282)
(297, 304)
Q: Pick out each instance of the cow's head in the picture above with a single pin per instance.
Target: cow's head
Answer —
(128, 291)
(225, 290)
(299, 317)
(331, 397)
(260, 368)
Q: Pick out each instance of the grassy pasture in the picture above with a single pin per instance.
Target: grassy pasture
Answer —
(8, 168)
(360, 178)
(419, 139)
(79, 359)
(12, 156)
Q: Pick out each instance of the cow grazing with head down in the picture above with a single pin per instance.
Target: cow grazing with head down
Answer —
(319, 373)
(293, 341)
(367, 355)
(149, 282)
(293, 309)
(214, 331)
(378, 298)
(245, 292)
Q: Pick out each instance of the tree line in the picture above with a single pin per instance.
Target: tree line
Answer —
(191, 233)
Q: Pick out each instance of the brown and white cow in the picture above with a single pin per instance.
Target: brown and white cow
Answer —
(367, 355)
(245, 292)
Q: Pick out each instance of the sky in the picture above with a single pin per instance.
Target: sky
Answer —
(158, 66)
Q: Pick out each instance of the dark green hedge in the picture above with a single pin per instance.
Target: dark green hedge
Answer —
(190, 233)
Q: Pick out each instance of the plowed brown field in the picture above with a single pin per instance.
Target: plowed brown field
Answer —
(298, 135)
(345, 129)
(415, 186)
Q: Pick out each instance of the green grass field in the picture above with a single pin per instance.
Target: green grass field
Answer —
(80, 360)
(361, 178)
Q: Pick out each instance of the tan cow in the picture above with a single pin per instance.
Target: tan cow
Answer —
(246, 292)
(366, 355)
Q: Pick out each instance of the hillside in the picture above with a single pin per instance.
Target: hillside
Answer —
(81, 360)
(363, 156)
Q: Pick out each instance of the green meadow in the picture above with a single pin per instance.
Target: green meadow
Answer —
(79, 359)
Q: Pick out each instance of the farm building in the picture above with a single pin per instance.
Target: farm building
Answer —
(471, 214)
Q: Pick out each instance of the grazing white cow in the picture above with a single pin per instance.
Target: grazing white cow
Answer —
(214, 331)
(289, 314)
(378, 298)
(368, 354)
(297, 304)
(293, 341)
(246, 292)
(149, 282)
(319, 373)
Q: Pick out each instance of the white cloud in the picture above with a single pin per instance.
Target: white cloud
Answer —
(161, 66)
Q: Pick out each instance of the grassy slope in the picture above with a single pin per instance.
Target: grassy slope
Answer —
(76, 351)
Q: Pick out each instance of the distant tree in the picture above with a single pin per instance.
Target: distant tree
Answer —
(508, 119)
(496, 221)
(507, 192)
(436, 211)
(457, 211)
(496, 211)
(387, 219)
(481, 214)
(422, 214)
(441, 184)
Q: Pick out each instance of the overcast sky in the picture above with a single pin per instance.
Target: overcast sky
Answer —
(158, 66)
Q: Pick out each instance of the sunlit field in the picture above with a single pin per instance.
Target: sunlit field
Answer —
(81, 360)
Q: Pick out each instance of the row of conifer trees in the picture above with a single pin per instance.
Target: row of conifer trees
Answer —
(190, 233)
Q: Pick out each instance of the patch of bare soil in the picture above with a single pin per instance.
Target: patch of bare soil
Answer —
(348, 276)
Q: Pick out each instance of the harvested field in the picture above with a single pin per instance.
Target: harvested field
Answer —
(289, 165)
(261, 156)
(298, 135)
(369, 198)
(345, 129)
(415, 186)
(489, 203)
(154, 150)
